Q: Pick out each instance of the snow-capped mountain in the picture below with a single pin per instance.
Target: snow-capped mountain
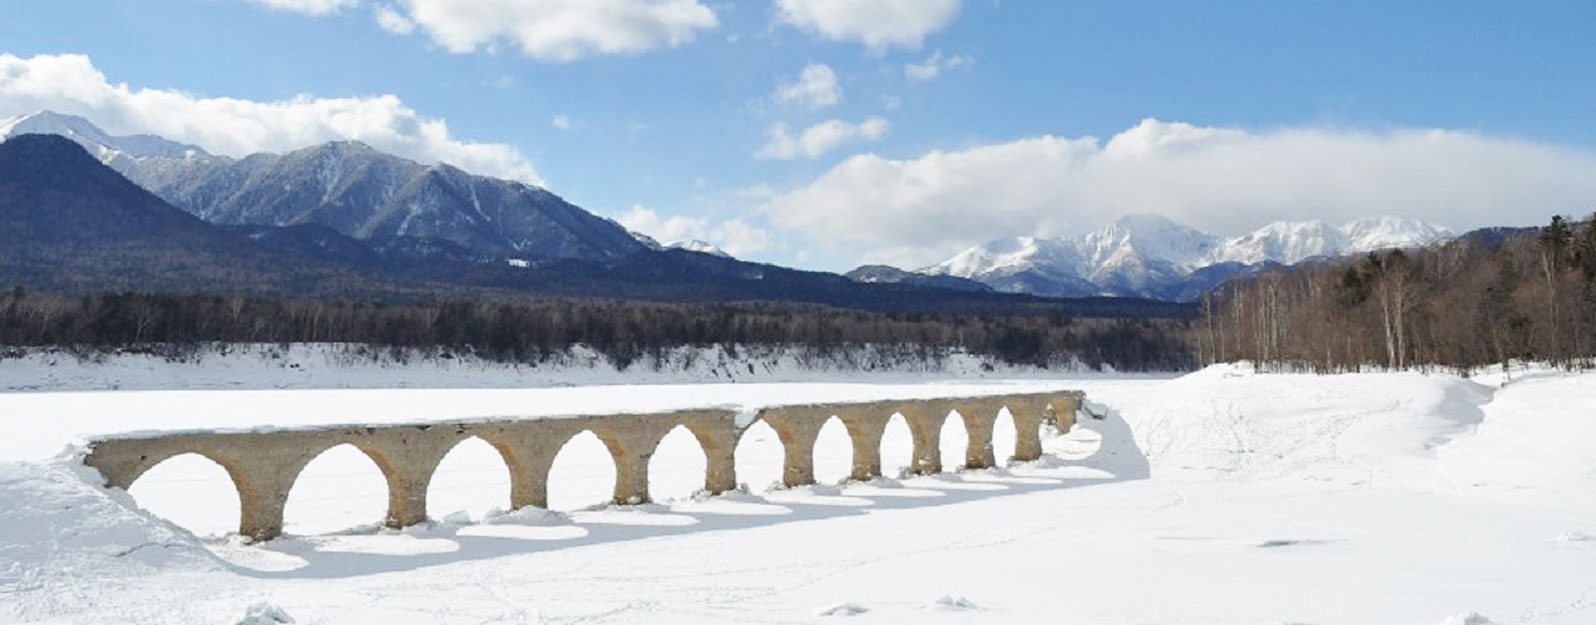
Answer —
(116, 151)
(371, 195)
(691, 245)
(700, 246)
(354, 189)
(1152, 256)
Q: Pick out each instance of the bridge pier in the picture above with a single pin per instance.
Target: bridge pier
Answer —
(797, 427)
(866, 424)
(529, 450)
(1028, 416)
(631, 442)
(263, 484)
(925, 428)
(408, 458)
(980, 417)
(1065, 408)
(717, 436)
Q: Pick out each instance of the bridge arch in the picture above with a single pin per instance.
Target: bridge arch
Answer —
(169, 487)
(897, 446)
(1005, 435)
(678, 465)
(833, 451)
(473, 477)
(341, 487)
(953, 439)
(759, 456)
(582, 473)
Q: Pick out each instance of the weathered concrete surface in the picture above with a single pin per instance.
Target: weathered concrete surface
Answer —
(265, 465)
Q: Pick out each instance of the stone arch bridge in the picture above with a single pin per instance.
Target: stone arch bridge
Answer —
(264, 465)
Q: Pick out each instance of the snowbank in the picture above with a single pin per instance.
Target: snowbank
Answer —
(64, 541)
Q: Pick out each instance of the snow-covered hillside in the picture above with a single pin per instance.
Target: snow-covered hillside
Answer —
(332, 366)
(1152, 256)
(1220, 497)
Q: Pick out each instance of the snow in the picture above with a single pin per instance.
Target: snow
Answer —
(102, 145)
(1135, 248)
(1224, 496)
(264, 613)
(700, 246)
(333, 366)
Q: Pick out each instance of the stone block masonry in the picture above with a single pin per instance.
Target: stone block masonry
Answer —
(264, 465)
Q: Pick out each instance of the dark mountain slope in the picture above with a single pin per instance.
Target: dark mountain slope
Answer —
(69, 223)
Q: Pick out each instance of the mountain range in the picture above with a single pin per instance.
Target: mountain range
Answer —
(69, 223)
(353, 189)
(360, 209)
(1153, 256)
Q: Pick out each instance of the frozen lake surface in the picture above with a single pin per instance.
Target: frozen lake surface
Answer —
(1216, 498)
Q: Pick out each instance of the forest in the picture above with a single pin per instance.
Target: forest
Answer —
(1489, 297)
(535, 331)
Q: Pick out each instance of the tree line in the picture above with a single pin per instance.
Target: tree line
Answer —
(1490, 297)
(539, 331)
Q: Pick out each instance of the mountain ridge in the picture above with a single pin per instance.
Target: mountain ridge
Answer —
(70, 224)
(1153, 256)
(352, 188)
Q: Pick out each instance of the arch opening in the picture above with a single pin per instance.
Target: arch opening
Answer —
(1005, 435)
(340, 489)
(759, 457)
(678, 466)
(582, 475)
(953, 442)
(192, 492)
(833, 452)
(471, 481)
(897, 447)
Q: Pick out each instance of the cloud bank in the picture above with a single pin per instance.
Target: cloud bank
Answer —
(918, 211)
(878, 24)
(820, 138)
(71, 84)
(737, 237)
(551, 30)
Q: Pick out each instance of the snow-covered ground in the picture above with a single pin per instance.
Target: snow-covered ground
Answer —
(339, 366)
(1220, 497)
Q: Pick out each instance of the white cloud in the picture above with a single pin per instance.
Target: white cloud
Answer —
(235, 127)
(879, 24)
(308, 7)
(559, 30)
(739, 238)
(394, 21)
(664, 229)
(563, 122)
(933, 66)
(1225, 180)
(820, 138)
(816, 88)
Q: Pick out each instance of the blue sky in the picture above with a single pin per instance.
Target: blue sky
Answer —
(1226, 115)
